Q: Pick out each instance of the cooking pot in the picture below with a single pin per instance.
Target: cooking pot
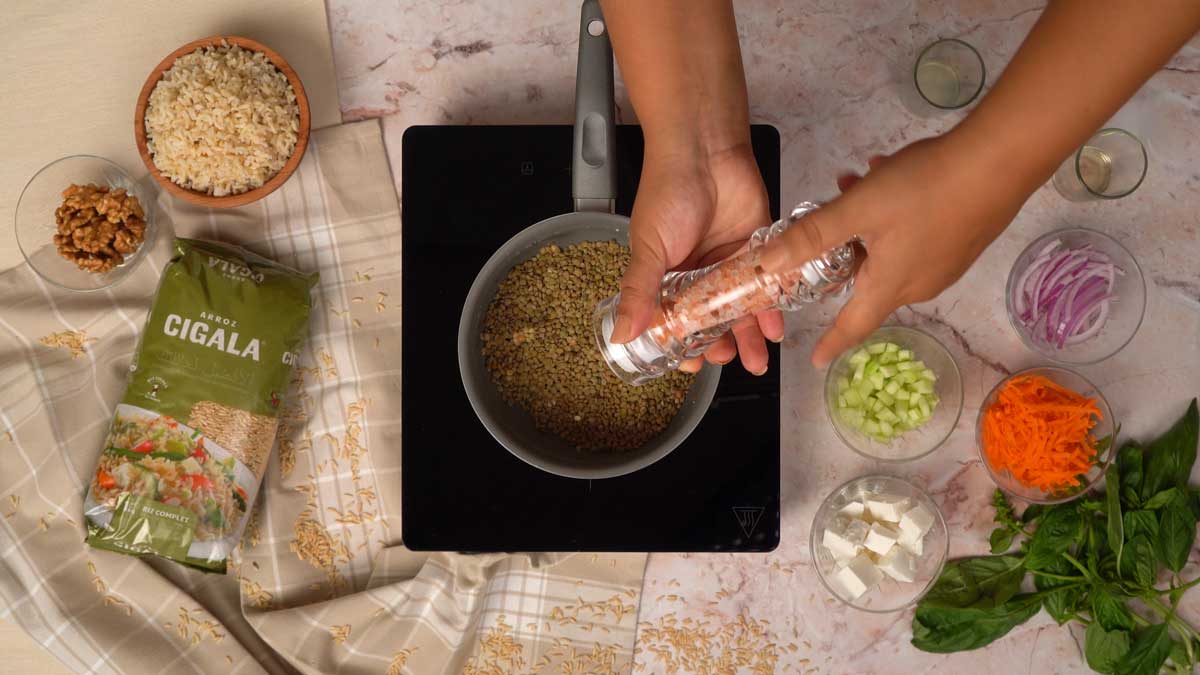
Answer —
(593, 183)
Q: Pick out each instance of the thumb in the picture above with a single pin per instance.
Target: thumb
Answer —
(858, 319)
(639, 289)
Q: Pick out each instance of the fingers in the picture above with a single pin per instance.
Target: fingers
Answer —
(722, 351)
(770, 323)
(847, 181)
(639, 287)
(751, 346)
(692, 365)
(862, 315)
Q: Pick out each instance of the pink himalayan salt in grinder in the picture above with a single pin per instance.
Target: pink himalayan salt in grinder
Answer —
(697, 307)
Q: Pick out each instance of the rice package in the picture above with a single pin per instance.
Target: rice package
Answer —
(185, 455)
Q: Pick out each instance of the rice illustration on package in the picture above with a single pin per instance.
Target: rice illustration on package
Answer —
(185, 455)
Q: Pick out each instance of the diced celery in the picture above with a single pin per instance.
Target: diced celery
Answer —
(865, 388)
(888, 371)
(914, 415)
(924, 386)
(925, 410)
(877, 380)
(887, 398)
(853, 398)
(887, 393)
(843, 384)
(891, 347)
(886, 415)
(901, 407)
(904, 355)
(918, 365)
(892, 387)
(908, 377)
(859, 358)
(877, 406)
(887, 358)
(904, 365)
(885, 429)
(841, 400)
(871, 427)
(871, 368)
(858, 373)
(876, 348)
(928, 374)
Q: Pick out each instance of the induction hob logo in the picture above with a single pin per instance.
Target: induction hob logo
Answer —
(748, 517)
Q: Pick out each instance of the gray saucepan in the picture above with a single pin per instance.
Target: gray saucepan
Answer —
(594, 187)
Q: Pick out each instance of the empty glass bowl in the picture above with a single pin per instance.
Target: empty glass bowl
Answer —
(917, 442)
(1127, 305)
(35, 226)
(1103, 432)
(889, 595)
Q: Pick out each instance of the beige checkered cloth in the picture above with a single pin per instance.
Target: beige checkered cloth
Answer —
(323, 583)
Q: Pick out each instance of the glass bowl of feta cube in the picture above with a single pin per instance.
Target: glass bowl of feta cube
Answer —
(896, 397)
(879, 543)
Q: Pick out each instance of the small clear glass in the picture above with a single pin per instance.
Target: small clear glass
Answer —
(1103, 432)
(949, 74)
(913, 444)
(890, 595)
(696, 308)
(1111, 165)
(35, 226)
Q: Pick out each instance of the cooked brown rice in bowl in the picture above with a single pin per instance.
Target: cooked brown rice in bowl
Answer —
(222, 120)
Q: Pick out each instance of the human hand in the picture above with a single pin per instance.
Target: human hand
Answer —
(924, 214)
(694, 208)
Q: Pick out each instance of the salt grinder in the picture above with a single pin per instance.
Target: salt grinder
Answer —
(697, 307)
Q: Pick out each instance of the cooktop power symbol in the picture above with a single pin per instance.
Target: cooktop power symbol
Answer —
(748, 517)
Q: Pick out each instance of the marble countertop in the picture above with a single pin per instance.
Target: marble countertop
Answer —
(832, 77)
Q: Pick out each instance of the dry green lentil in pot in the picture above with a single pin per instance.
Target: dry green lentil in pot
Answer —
(537, 344)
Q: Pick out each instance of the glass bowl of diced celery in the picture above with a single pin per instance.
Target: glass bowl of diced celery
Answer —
(879, 543)
(896, 397)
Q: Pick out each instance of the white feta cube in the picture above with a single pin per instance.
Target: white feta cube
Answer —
(844, 538)
(888, 508)
(881, 538)
(914, 545)
(899, 564)
(854, 509)
(916, 521)
(857, 577)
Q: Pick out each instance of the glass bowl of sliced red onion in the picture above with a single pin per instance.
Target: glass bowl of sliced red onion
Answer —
(1076, 296)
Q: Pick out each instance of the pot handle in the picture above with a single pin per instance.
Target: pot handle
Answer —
(593, 162)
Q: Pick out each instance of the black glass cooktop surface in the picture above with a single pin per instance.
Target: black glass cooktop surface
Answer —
(466, 190)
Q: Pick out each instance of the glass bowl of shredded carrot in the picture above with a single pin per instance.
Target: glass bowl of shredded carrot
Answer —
(1045, 434)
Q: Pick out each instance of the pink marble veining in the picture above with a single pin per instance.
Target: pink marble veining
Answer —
(833, 77)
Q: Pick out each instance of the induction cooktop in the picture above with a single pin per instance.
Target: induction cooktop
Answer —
(465, 191)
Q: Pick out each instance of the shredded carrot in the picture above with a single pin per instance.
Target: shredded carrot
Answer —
(1039, 432)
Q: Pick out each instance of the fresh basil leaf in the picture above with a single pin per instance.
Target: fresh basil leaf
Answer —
(1141, 521)
(1169, 458)
(1163, 498)
(1139, 563)
(1195, 502)
(1148, 652)
(986, 581)
(954, 629)
(1129, 464)
(1176, 534)
(1055, 534)
(1060, 597)
(1001, 539)
(1116, 525)
(1178, 656)
(1109, 610)
(1031, 512)
(1104, 649)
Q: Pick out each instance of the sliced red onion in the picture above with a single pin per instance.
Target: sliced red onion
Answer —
(1063, 296)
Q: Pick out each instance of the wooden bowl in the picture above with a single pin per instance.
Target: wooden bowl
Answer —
(241, 198)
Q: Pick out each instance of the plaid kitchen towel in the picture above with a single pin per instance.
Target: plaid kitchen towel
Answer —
(322, 583)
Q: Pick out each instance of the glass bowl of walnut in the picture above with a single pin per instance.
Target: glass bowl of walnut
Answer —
(83, 223)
